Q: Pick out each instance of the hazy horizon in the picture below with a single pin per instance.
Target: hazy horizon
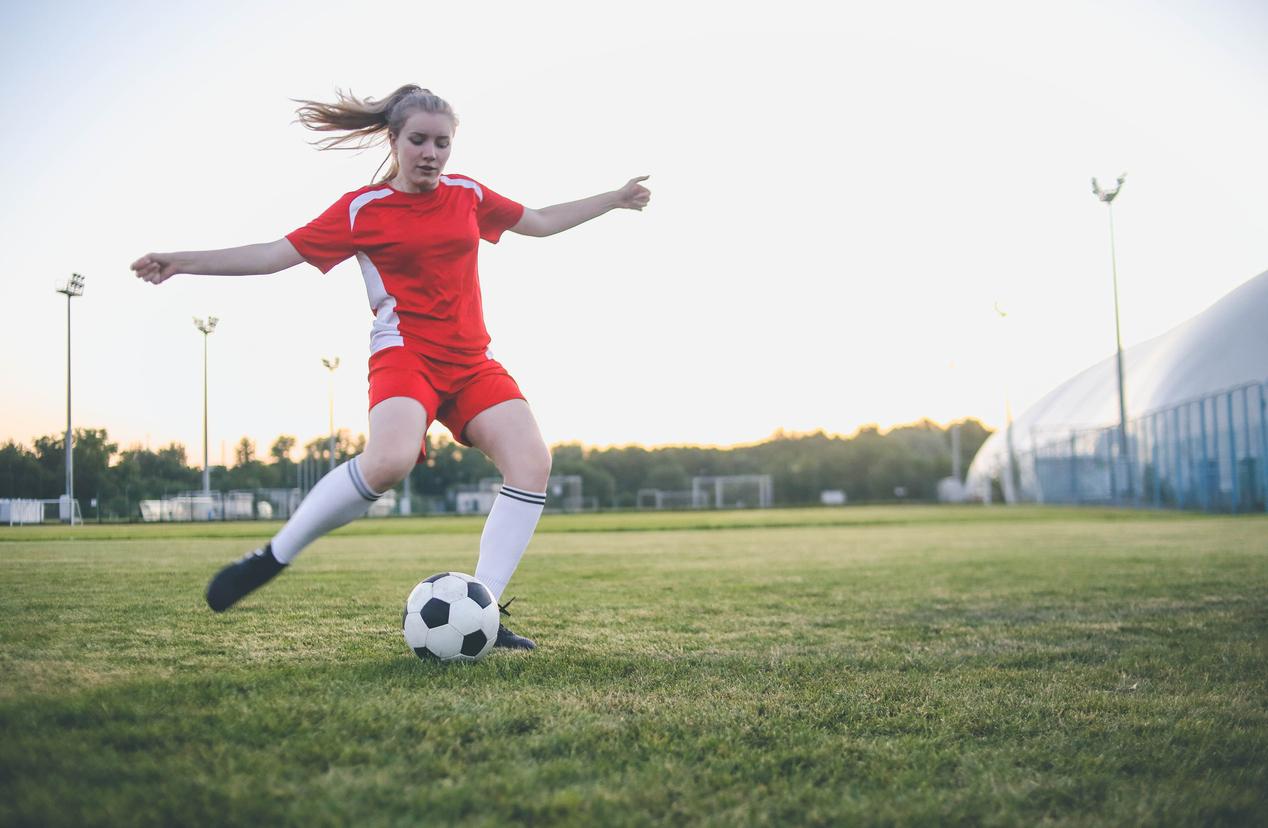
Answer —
(840, 199)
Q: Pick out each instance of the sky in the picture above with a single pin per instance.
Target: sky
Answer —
(841, 196)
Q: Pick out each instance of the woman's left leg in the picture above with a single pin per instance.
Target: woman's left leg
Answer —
(508, 434)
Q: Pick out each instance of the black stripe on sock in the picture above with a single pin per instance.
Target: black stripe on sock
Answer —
(514, 496)
(358, 482)
(522, 493)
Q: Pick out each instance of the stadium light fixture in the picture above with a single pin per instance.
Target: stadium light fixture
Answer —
(331, 365)
(71, 288)
(1107, 197)
(206, 327)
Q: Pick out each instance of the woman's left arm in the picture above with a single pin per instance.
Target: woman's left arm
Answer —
(559, 217)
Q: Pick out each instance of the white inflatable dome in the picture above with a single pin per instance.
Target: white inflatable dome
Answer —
(1223, 347)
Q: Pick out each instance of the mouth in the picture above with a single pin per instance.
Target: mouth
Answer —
(426, 170)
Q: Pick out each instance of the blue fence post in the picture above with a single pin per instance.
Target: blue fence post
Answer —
(1074, 467)
(1177, 455)
(1154, 452)
(1263, 443)
(1203, 494)
(1232, 454)
(1113, 478)
(1252, 483)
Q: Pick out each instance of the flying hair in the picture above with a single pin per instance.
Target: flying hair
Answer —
(364, 122)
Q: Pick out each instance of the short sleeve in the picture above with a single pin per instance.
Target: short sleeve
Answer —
(326, 240)
(496, 214)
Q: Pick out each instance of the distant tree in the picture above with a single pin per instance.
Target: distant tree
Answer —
(21, 475)
(245, 452)
(93, 452)
(667, 475)
(281, 449)
(346, 446)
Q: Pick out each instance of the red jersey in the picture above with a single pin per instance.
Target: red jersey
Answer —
(417, 253)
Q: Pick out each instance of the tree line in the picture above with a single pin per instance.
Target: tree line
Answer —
(870, 466)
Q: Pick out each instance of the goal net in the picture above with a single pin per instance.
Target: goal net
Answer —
(733, 491)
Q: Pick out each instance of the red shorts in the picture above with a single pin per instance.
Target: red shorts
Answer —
(451, 393)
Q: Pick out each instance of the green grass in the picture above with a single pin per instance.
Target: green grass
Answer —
(865, 665)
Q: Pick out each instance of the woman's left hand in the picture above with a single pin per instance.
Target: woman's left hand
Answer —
(634, 196)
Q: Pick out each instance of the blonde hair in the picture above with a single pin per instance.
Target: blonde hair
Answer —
(365, 122)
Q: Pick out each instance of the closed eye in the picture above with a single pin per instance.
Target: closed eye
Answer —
(418, 139)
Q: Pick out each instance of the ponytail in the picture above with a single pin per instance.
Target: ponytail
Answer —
(366, 122)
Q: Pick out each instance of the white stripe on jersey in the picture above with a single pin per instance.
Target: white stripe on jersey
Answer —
(362, 200)
(386, 330)
(463, 182)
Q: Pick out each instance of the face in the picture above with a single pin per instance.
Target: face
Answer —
(422, 149)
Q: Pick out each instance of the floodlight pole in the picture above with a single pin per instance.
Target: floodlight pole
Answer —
(1014, 479)
(331, 365)
(206, 327)
(73, 287)
(1107, 196)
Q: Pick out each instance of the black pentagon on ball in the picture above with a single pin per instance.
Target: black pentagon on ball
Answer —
(433, 579)
(472, 644)
(479, 593)
(426, 654)
(435, 613)
(404, 615)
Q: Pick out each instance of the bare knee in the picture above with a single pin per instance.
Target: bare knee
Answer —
(383, 467)
(527, 467)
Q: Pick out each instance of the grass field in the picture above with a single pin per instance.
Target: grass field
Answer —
(913, 665)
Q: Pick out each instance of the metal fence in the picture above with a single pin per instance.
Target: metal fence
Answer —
(1208, 454)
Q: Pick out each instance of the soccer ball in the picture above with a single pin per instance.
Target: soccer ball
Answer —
(450, 617)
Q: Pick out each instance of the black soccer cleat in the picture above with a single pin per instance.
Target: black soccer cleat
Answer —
(508, 639)
(242, 577)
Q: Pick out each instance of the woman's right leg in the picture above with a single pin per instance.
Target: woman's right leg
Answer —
(345, 494)
(397, 426)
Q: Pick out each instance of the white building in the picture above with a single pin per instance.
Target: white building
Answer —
(1196, 409)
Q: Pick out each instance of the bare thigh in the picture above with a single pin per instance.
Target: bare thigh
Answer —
(397, 426)
(508, 434)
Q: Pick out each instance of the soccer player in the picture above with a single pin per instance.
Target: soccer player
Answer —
(415, 234)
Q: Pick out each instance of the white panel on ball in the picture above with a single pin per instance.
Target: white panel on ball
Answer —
(465, 616)
(415, 630)
(450, 588)
(445, 642)
(491, 621)
(418, 597)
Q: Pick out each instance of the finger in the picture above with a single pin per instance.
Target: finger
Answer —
(141, 262)
(639, 178)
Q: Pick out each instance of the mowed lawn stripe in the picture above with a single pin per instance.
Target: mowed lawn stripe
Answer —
(1094, 670)
(647, 521)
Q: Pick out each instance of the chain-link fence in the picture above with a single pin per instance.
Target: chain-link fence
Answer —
(1210, 454)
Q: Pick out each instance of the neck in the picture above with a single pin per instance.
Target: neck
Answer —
(400, 182)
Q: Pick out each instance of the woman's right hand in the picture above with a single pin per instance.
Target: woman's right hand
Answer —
(156, 267)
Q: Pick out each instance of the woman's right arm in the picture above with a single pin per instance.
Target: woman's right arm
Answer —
(251, 260)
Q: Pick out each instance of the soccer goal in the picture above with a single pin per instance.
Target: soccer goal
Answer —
(564, 493)
(733, 491)
(19, 512)
(23, 511)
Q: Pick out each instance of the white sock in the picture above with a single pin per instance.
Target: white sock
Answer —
(338, 498)
(507, 532)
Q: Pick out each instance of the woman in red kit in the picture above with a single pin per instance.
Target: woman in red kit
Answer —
(415, 234)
